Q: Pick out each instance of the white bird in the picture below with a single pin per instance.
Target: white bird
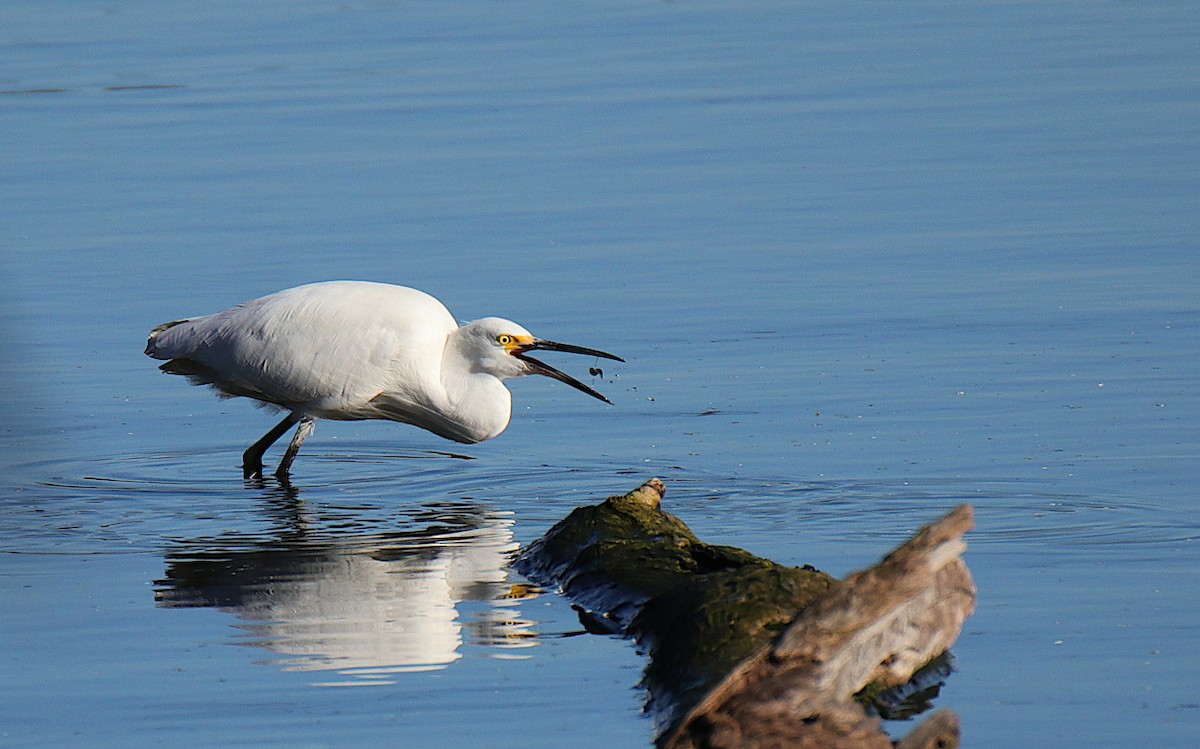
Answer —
(358, 350)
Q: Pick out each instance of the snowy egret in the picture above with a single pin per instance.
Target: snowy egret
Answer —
(358, 350)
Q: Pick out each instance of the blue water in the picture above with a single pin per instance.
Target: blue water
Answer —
(865, 263)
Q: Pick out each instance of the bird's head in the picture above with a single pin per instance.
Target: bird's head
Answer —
(503, 350)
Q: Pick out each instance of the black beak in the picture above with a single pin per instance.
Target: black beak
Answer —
(538, 367)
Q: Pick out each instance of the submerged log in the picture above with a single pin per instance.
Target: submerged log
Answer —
(748, 653)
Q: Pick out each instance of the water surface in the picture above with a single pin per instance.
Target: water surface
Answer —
(864, 264)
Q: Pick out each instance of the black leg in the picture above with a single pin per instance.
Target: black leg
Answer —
(252, 459)
(302, 431)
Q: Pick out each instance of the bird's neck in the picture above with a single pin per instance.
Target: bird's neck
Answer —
(477, 402)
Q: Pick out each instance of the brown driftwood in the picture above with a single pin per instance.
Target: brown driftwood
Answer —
(750, 654)
(878, 625)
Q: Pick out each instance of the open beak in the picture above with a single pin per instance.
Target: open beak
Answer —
(537, 367)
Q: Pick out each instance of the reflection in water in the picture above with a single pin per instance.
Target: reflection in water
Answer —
(324, 595)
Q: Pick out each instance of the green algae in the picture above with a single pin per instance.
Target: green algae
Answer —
(698, 609)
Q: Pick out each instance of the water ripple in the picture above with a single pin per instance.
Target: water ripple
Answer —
(136, 502)
(1007, 511)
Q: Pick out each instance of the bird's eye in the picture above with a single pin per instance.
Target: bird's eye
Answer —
(504, 339)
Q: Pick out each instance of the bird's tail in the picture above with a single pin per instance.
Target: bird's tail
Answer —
(152, 346)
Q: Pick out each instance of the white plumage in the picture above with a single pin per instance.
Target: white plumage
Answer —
(358, 350)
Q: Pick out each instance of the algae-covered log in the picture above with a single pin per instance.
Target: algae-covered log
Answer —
(748, 653)
(698, 609)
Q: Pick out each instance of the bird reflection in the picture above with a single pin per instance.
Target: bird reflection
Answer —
(324, 592)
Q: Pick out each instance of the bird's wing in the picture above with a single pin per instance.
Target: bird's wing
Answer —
(325, 349)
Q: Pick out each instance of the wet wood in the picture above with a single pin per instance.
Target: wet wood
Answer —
(748, 653)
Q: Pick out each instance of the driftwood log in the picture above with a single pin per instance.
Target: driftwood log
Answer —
(751, 654)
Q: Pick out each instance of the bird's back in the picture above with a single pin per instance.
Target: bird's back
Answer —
(325, 349)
